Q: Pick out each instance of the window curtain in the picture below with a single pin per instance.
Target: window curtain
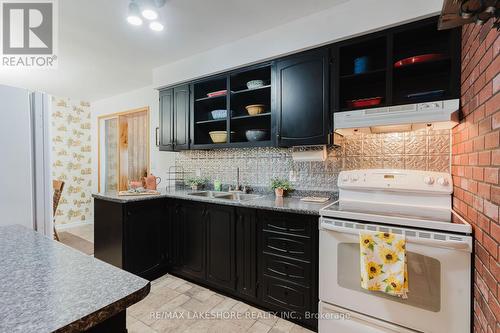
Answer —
(137, 145)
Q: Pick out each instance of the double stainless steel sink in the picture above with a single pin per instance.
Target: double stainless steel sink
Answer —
(233, 196)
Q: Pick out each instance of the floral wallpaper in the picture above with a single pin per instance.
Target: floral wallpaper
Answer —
(71, 159)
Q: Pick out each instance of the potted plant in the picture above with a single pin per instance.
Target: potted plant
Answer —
(280, 186)
(196, 183)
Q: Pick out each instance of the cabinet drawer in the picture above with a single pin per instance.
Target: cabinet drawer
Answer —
(287, 269)
(286, 245)
(286, 295)
(287, 223)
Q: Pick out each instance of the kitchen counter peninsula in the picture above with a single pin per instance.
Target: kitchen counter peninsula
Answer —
(49, 287)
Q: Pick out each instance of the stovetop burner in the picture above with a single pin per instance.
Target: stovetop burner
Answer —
(392, 210)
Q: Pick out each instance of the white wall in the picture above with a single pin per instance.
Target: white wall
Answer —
(354, 17)
(16, 196)
(147, 96)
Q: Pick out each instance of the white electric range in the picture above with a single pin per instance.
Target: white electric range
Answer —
(413, 203)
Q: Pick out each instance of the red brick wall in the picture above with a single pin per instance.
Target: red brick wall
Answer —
(476, 163)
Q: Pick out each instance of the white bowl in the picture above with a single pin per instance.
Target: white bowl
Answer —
(219, 114)
(255, 84)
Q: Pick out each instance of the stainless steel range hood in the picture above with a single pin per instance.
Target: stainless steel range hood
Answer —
(400, 118)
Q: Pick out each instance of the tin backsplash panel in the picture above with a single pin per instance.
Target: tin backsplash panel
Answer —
(419, 150)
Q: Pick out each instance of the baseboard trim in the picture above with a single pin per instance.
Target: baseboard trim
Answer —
(73, 224)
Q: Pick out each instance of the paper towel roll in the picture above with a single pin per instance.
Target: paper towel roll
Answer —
(315, 155)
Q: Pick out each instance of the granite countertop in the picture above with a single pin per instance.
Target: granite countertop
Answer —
(47, 286)
(269, 202)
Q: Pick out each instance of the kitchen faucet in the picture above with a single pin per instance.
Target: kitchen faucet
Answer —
(238, 186)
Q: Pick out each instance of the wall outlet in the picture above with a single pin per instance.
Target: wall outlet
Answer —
(292, 176)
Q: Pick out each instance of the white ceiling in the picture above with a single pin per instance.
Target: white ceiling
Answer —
(101, 55)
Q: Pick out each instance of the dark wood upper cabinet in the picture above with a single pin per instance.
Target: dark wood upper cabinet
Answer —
(300, 93)
(367, 67)
(167, 120)
(303, 99)
(174, 118)
(181, 117)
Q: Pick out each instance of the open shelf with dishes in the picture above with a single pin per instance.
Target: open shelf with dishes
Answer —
(423, 61)
(210, 108)
(362, 73)
(408, 64)
(238, 103)
(251, 105)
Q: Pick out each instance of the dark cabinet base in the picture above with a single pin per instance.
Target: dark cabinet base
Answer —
(115, 324)
(263, 258)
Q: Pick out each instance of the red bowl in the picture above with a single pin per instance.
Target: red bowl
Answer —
(361, 103)
(217, 93)
(419, 59)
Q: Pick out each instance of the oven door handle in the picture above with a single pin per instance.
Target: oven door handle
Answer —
(465, 245)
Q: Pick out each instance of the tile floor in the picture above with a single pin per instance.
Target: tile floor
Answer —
(84, 240)
(176, 297)
(175, 305)
(85, 231)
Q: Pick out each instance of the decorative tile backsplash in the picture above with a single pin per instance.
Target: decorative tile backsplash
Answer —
(420, 150)
(71, 159)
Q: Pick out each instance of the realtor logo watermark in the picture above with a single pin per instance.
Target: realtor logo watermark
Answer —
(29, 37)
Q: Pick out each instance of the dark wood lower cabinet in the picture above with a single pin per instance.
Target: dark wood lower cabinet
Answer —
(246, 254)
(114, 324)
(295, 271)
(144, 229)
(266, 258)
(221, 272)
(191, 219)
(288, 269)
(132, 236)
(286, 296)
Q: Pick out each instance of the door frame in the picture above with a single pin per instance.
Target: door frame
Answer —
(43, 220)
(117, 116)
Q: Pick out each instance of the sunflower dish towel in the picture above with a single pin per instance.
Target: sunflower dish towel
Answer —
(383, 263)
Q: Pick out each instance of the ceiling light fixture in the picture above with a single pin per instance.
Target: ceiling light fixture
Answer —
(133, 14)
(149, 9)
(150, 14)
(156, 26)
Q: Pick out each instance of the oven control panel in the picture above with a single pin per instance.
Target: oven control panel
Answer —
(398, 180)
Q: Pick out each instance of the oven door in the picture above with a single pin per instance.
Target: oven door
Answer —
(439, 276)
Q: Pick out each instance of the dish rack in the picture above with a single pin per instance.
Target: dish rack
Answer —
(175, 177)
